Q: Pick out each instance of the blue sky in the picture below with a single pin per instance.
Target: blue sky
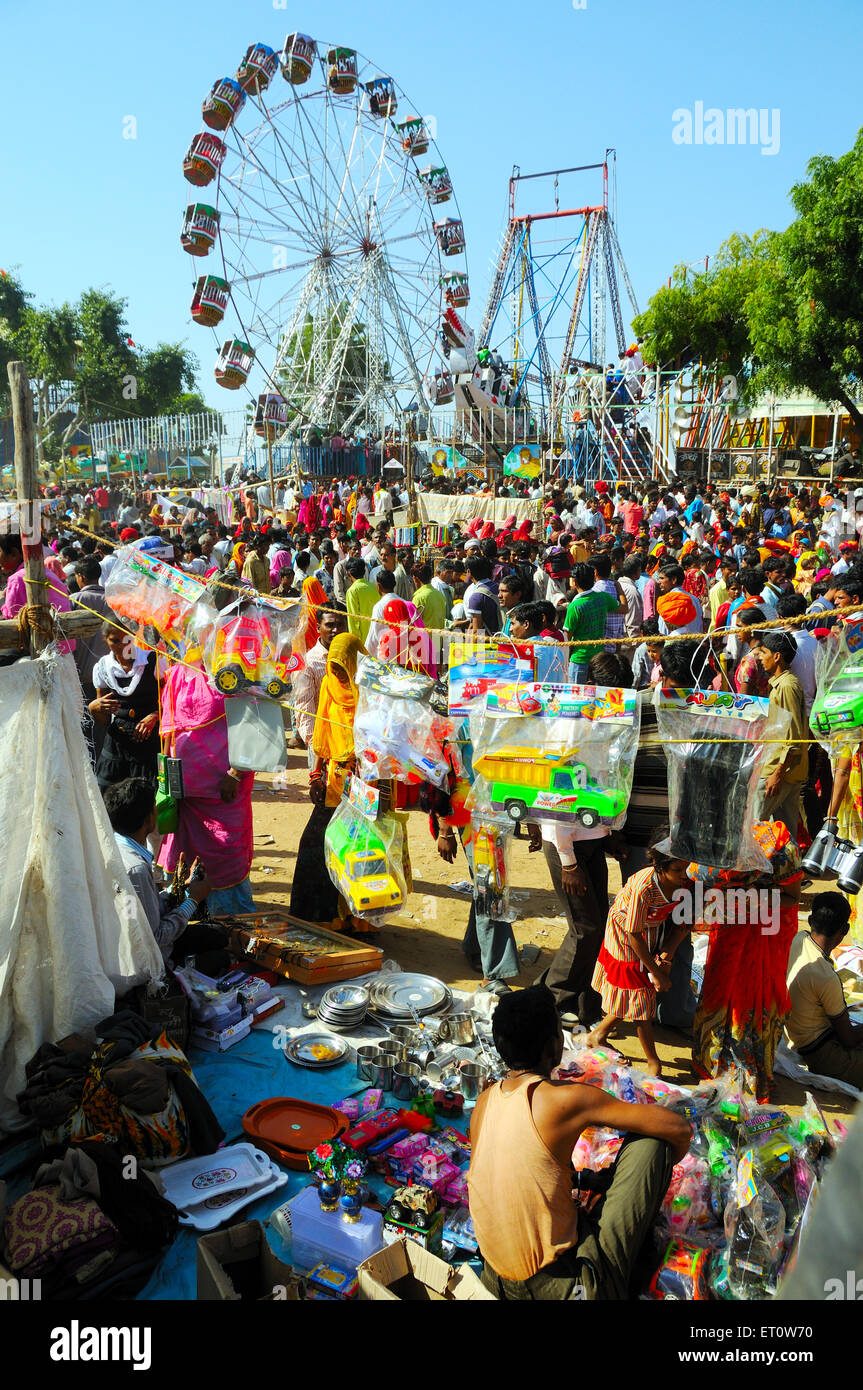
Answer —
(539, 85)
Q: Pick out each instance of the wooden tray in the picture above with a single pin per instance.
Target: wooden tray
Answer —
(299, 950)
(288, 1129)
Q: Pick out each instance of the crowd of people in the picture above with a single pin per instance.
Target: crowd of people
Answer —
(690, 586)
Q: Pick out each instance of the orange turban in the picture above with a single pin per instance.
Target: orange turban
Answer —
(676, 608)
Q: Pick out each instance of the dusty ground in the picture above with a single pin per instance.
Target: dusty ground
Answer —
(427, 935)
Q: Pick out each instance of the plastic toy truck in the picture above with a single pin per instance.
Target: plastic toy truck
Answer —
(840, 709)
(545, 784)
(244, 655)
(359, 867)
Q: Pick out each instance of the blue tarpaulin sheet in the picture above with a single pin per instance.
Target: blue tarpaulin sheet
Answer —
(253, 1070)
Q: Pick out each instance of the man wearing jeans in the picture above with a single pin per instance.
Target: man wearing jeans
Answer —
(579, 875)
(787, 765)
(536, 1245)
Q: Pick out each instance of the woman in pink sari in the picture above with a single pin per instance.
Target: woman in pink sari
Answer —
(309, 514)
(215, 813)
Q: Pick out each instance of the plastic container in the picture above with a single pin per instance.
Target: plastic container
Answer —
(319, 1237)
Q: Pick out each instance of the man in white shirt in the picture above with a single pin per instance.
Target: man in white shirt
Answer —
(628, 581)
(803, 665)
(131, 807)
(383, 503)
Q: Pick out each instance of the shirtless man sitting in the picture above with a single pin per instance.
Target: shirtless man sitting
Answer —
(535, 1243)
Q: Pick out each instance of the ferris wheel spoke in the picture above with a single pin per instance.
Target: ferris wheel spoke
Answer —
(325, 159)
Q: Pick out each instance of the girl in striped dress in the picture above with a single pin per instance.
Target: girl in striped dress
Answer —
(629, 973)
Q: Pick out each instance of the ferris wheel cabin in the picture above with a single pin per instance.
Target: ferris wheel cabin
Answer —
(450, 236)
(414, 135)
(271, 415)
(381, 92)
(203, 159)
(439, 388)
(456, 288)
(234, 364)
(210, 300)
(298, 58)
(225, 101)
(341, 71)
(257, 69)
(200, 229)
(437, 184)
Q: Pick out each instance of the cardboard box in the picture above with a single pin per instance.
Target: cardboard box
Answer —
(238, 1264)
(404, 1272)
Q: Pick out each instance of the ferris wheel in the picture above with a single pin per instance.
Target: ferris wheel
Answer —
(334, 245)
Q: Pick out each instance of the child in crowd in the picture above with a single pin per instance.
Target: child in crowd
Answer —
(629, 974)
(645, 663)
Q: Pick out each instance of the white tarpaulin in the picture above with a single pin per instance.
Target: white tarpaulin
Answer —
(441, 507)
(72, 930)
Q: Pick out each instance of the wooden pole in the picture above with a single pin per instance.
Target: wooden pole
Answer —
(29, 510)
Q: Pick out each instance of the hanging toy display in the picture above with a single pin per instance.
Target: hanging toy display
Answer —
(490, 843)
(249, 651)
(712, 784)
(396, 735)
(363, 857)
(145, 591)
(557, 752)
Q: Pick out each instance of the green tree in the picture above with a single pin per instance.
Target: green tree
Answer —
(167, 375)
(703, 316)
(87, 348)
(306, 363)
(783, 311)
(805, 313)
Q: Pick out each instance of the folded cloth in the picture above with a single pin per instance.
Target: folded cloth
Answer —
(43, 1230)
(55, 1080)
(74, 1175)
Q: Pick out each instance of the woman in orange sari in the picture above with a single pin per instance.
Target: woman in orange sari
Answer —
(314, 597)
(744, 997)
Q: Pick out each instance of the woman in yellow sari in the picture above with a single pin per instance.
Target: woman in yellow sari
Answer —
(314, 897)
(333, 736)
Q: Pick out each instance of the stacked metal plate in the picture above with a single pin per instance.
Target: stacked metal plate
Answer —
(343, 1006)
(316, 1050)
(397, 997)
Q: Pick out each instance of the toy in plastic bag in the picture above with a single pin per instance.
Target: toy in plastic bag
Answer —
(557, 752)
(364, 860)
(682, 1276)
(596, 1149)
(149, 593)
(249, 649)
(836, 717)
(397, 735)
(686, 1205)
(712, 785)
(489, 845)
(755, 1232)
